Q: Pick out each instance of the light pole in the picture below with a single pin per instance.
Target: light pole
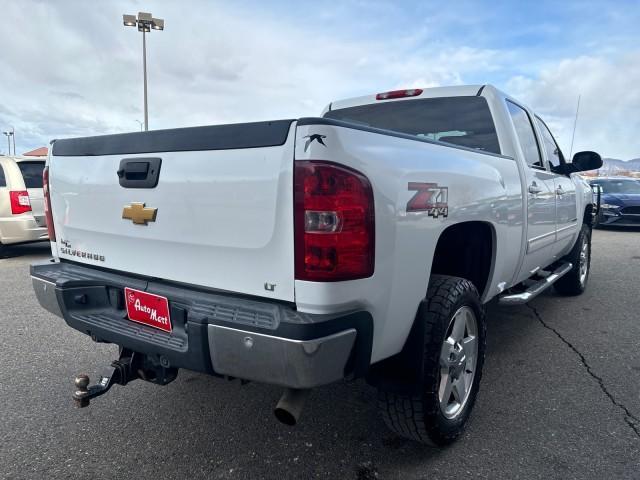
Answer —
(9, 135)
(140, 124)
(13, 136)
(145, 22)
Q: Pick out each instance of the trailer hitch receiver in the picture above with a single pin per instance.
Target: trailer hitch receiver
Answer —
(130, 366)
(121, 373)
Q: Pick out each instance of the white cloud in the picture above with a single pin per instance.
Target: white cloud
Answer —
(73, 69)
(212, 64)
(609, 114)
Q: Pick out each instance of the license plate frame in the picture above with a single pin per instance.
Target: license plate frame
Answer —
(148, 309)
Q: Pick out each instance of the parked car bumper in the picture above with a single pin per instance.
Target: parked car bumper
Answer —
(619, 219)
(212, 332)
(22, 229)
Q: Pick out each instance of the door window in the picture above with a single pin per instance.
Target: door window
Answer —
(554, 154)
(526, 135)
(3, 180)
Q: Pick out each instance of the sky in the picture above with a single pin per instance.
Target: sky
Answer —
(70, 68)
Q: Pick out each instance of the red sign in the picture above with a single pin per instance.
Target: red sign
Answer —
(147, 308)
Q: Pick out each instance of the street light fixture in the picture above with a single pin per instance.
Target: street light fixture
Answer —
(145, 22)
(9, 135)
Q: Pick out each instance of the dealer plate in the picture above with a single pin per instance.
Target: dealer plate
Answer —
(148, 309)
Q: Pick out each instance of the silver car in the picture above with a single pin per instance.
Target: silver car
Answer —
(22, 217)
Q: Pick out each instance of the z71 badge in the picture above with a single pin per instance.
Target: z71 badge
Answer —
(430, 198)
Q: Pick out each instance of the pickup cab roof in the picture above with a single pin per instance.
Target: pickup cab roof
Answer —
(455, 91)
(496, 101)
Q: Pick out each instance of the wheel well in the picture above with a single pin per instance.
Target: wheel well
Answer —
(466, 250)
(588, 215)
(463, 250)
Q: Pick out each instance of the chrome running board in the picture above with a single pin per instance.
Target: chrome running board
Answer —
(535, 289)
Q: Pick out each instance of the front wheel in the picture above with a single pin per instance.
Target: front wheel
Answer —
(575, 282)
(454, 347)
(598, 220)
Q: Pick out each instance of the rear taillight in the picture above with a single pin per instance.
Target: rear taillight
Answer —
(20, 202)
(334, 223)
(47, 204)
(414, 92)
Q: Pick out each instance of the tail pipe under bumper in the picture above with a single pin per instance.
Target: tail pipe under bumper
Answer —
(290, 406)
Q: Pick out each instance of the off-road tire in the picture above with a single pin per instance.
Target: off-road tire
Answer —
(571, 283)
(419, 416)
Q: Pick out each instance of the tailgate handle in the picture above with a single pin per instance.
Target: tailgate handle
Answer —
(139, 172)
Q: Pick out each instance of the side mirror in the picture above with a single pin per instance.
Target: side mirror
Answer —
(585, 161)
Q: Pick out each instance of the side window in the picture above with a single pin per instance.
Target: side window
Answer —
(526, 135)
(551, 147)
(3, 180)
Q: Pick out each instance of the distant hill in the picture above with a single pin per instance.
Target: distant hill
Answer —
(613, 166)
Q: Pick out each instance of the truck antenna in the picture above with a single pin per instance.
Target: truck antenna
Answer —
(575, 122)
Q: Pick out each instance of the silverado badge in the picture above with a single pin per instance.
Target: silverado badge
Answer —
(139, 214)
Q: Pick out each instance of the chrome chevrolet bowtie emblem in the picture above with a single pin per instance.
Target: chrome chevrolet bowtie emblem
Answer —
(139, 214)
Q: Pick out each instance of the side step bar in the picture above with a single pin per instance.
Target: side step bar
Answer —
(535, 289)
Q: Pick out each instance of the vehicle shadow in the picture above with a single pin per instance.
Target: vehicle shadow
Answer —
(340, 434)
(25, 250)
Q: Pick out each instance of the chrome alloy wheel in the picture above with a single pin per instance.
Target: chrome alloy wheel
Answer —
(458, 359)
(584, 260)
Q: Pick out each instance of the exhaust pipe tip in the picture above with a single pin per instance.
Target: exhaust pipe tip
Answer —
(285, 416)
(290, 405)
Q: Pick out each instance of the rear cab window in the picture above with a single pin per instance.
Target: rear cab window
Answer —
(32, 173)
(461, 121)
(3, 179)
(526, 136)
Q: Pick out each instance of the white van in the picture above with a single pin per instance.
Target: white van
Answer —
(22, 217)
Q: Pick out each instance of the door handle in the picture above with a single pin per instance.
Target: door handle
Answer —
(534, 188)
(139, 172)
(559, 191)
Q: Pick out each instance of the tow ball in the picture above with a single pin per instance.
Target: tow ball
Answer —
(130, 366)
(121, 373)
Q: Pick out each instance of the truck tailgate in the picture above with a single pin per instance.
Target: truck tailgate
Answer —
(224, 201)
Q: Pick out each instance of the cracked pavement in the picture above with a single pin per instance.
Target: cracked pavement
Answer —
(560, 398)
(630, 418)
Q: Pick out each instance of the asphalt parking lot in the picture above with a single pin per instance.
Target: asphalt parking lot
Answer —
(560, 398)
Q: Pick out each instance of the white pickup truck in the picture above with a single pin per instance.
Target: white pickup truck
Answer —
(360, 244)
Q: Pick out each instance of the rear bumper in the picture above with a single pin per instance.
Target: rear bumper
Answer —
(213, 332)
(21, 229)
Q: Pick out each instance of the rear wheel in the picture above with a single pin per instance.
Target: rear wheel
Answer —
(575, 282)
(454, 346)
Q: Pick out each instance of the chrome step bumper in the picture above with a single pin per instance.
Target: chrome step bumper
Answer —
(280, 361)
(213, 332)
